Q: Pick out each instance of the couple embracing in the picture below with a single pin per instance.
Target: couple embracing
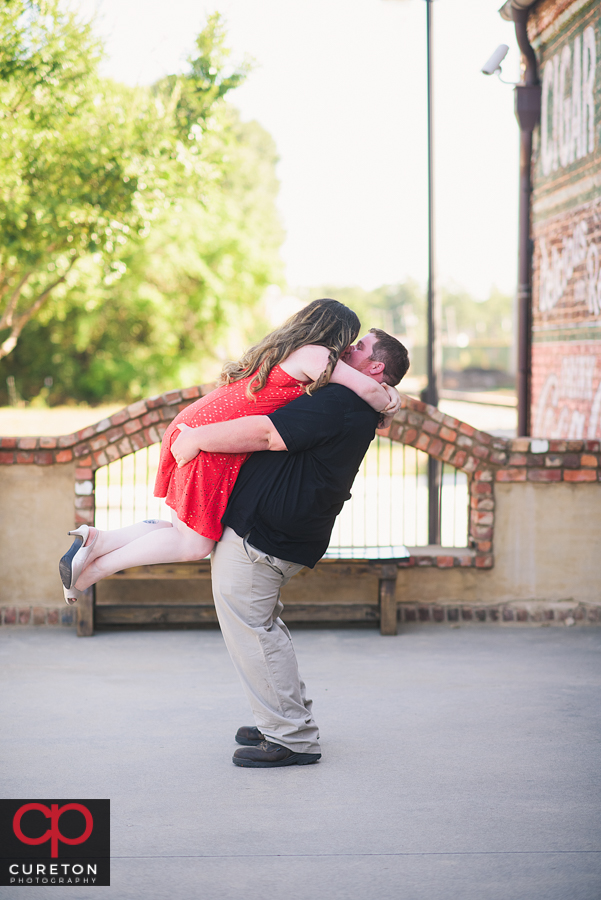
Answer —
(255, 474)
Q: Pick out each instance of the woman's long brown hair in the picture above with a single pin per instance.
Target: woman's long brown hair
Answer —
(326, 323)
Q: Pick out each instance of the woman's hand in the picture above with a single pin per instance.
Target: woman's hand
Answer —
(387, 415)
(185, 447)
(395, 401)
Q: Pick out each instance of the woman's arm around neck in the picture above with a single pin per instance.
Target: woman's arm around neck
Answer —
(307, 364)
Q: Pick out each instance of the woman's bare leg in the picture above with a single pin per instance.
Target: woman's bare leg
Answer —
(108, 541)
(155, 543)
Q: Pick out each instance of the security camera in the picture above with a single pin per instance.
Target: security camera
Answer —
(493, 64)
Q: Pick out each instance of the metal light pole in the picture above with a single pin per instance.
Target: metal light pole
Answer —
(430, 393)
(433, 349)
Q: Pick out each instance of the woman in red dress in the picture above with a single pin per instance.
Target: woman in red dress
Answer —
(301, 355)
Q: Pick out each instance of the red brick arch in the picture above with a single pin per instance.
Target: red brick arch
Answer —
(485, 459)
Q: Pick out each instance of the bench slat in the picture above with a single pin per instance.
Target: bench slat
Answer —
(189, 614)
(187, 571)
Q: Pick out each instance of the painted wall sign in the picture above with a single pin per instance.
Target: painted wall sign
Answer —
(567, 275)
(568, 102)
(567, 401)
(566, 225)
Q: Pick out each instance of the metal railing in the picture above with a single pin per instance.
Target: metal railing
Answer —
(124, 490)
(389, 507)
(388, 510)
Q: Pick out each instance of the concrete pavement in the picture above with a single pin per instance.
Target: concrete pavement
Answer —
(458, 764)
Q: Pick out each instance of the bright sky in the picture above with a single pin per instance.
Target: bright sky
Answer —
(341, 86)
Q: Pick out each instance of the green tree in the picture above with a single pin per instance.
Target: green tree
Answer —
(396, 308)
(481, 321)
(86, 165)
(474, 333)
(188, 294)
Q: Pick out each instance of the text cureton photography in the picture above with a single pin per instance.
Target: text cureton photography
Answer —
(55, 842)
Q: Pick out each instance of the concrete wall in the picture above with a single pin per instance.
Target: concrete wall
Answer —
(36, 512)
(547, 547)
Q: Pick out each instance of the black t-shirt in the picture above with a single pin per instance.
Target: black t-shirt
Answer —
(288, 500)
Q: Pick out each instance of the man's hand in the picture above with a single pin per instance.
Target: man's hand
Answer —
(244, 435)
(185, 447)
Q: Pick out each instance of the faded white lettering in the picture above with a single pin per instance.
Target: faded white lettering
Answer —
(554, 417)
(558, 266)
(568, 103)
(576, 380)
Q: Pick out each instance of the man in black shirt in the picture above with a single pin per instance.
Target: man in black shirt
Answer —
(287, 503)
(279, 518)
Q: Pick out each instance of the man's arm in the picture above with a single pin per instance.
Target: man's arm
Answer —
(245, 435)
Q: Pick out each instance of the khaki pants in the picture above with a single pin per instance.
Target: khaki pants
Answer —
(246, 589)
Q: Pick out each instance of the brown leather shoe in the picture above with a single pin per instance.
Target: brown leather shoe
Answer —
(249, 735)
(268, 755)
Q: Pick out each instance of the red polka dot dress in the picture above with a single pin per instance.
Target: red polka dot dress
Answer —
(199, 491)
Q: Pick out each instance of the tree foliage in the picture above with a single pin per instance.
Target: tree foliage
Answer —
(473, 332)
(189, 291)
(136, 222)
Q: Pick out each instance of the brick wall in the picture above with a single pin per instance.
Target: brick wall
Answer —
(132, 428)
(484, 458)
(489, 460)
(566, 222)
(566, 389)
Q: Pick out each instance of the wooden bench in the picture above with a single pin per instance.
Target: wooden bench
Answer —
(335, 591)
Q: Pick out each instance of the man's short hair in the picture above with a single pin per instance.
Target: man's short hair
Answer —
(392, 353)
